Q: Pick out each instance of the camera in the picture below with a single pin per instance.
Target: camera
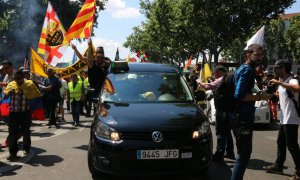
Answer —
(270, 88)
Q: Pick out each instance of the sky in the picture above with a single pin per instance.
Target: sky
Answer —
(116, 23)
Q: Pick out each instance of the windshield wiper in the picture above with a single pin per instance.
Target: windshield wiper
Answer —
(116, 103)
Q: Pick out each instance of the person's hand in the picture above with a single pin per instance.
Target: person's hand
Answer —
(90, 43)
(274, 81)
(2, 84)
(73, 47)
(199, 81)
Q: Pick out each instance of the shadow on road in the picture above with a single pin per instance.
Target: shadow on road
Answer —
(42, 134)
(216, 171)
(82, 147)
(43, 160)
(266, 127)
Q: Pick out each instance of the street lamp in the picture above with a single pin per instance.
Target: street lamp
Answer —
(4, 40)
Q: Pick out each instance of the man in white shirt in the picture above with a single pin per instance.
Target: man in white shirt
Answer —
(289, 118)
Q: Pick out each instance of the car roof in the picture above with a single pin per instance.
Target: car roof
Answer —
(151, 67)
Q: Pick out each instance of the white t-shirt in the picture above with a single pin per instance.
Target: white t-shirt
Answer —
(288, 113)
(64, 87)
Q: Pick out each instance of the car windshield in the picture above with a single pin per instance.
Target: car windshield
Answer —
(147, 87)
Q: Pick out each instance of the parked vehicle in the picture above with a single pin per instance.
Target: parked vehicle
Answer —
(262, 111)
(149, 125)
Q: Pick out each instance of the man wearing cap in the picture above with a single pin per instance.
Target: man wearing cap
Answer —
(289, 118)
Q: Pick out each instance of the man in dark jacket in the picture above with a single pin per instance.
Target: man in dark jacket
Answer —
(51, 95)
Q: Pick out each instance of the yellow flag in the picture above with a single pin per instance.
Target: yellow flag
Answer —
(37, 64)
(205, 72)
(128, 58)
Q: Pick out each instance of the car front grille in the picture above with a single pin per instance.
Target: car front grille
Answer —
(148, 135)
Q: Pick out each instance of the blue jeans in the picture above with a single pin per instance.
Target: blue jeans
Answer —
(223, 133)
(243, 143)
(75, 105)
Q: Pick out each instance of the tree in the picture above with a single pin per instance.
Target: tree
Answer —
(275, 41)
(293, 37)
(202, 26)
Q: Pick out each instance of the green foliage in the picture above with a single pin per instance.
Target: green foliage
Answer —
(176, 29)
(293, 37)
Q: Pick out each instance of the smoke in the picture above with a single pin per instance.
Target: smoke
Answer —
(24, 32)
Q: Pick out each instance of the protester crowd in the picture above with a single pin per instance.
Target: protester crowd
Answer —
(22, 91)
(280, 89)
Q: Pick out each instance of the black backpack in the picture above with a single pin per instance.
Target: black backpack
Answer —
(291, 95)
(224, 94)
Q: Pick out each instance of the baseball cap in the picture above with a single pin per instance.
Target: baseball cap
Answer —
(283, 63)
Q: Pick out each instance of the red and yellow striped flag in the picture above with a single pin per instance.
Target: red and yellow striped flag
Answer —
(83, 23)
(108, 86)
(187, 65)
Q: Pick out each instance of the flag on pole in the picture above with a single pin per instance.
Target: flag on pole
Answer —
(128, 58)
(37, 64)
(144, 57)
(187, 65)
(25, 64)
(258, 38)
(74, 59)
(52, 37)
(108, 86)
(117, 58)
(83, 23)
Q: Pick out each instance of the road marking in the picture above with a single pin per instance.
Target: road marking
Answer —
(85, 125)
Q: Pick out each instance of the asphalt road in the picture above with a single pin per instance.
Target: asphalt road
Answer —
(62, 154)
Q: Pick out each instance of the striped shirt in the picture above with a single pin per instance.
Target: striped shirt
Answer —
(19, 102)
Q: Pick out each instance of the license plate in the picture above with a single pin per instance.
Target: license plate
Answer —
(158, 154)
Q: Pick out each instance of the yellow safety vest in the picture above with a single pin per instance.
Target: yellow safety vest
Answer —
(86, 84)
(75, 93)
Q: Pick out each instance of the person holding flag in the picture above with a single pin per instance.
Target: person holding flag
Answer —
(25, 98)
(98, 65)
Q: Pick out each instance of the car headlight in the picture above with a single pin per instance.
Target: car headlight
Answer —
(202, 130)
(102, 130)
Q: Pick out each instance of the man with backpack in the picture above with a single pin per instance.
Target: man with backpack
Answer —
(223, 129)
(243, 115)
(288, 91)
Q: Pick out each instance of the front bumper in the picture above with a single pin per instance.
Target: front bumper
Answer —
(121, 159)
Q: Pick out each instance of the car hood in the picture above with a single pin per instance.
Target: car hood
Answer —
(153, 116)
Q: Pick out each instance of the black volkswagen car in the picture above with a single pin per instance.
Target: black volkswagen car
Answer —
(148, 123)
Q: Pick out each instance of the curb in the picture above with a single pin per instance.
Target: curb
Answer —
(7, 166)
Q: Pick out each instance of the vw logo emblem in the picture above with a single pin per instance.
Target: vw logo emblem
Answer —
(157, 136)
